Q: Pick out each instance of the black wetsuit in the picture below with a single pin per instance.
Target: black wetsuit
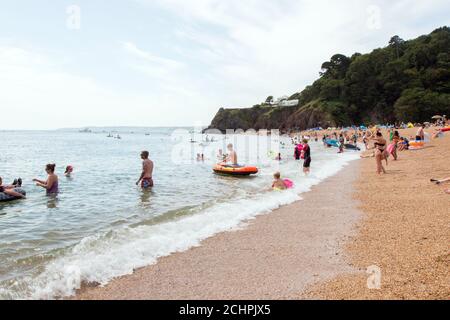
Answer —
(307, 156)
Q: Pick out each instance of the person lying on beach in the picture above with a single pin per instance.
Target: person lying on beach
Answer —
(51, 184)
(421, 133)
(440, 181)
(146, 178)
(278, 184)
(9, 190)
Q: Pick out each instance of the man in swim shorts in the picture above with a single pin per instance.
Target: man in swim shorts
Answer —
(421, 133)
(232, 155)
(146, 178)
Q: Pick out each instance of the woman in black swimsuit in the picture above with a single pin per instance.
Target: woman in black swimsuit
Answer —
(380, 147)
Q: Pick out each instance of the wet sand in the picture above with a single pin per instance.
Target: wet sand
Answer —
(275, 256)
(405, 230)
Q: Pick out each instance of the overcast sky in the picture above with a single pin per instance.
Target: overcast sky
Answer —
(176, 62)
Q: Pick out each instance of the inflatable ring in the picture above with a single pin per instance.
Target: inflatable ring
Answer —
(6, 197)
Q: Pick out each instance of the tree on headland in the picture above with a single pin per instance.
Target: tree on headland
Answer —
(269, 100)
(397, 43)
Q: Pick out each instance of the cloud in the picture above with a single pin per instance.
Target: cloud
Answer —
(36, 94)
(259, 47)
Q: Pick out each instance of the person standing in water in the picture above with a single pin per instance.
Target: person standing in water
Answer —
(146, 178)
(232, 155)
(306, 155)
(51, 184)
(421, 133)
(9, 190)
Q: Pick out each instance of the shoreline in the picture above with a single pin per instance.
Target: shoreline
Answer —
(274, 256)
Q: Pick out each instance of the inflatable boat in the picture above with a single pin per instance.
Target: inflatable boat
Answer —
(416, 145)
(6, 197)
(234, 170)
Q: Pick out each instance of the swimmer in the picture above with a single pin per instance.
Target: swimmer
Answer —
(146, 178)
(278, 184)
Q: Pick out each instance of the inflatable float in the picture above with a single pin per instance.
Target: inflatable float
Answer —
(416, 145)
(288, 183)
(446, 129)
(234, 170)
(6, 197)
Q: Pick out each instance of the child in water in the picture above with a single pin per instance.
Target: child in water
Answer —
(278, 184)
(68, 172)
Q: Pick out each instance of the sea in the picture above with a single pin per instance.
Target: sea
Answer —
(101, 225)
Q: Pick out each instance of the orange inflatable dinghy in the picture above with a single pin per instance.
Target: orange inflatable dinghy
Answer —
(234, 170)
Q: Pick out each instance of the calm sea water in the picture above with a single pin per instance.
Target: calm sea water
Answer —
(101, 225)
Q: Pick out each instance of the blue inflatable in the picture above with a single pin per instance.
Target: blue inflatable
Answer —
(6, 197)
(333, 143)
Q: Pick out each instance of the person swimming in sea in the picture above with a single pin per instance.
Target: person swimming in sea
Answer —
(278, 184)
(9, 189)
(306, 156)
(68, 172)
(146, 178)
(52, 183)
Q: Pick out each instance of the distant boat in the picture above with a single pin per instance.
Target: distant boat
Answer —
(147, 134)
(110, 136)
(85, 130)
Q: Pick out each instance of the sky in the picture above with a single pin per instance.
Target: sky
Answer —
(176, 62)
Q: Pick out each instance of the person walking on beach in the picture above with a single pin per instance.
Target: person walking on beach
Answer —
(380, 148)
(306, 155)
(146, 178)
(51, 184)
(421, 133)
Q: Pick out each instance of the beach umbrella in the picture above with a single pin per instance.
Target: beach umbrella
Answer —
(437, 117)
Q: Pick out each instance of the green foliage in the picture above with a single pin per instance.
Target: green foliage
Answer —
(387, 84)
